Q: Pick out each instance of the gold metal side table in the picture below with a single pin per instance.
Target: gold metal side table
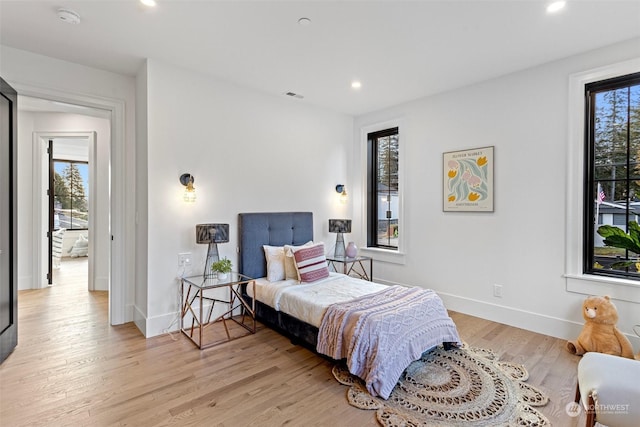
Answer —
(202, 296)
(353, 266)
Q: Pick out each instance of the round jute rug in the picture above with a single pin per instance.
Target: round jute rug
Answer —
(464, 386)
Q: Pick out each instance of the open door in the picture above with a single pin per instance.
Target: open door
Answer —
(50, 229)
(8, 220)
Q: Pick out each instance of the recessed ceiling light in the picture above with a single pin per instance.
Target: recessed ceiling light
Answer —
(304, 22)
(356, 84)
(68, 16)
(150, 3)
(556, 6)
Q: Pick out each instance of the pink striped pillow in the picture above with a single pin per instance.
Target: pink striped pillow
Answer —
(311, 263)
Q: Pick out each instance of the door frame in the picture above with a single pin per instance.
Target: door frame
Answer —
(41, 208)
(9, 335)
(122, 247)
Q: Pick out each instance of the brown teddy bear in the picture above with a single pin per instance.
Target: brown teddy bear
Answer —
(599, 333)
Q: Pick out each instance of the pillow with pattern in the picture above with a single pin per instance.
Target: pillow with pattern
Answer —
(311, 263)
(290, 271)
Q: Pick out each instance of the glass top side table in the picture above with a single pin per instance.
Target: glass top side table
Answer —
(201, 297)
(356, 266)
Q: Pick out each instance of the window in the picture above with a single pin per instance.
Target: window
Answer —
(612, 195)
(71, 195)
(383, 189)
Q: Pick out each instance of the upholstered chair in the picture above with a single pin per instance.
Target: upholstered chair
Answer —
(609, 390)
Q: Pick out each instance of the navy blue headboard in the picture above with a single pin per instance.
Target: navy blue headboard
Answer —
(273, 229)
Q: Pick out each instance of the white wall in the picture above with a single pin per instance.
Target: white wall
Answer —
(248, 152)
(140, 301)
(25, 202)
(521, 245)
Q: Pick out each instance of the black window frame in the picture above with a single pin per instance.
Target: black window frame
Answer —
(372, 189)
(591, 181)
(79, 162)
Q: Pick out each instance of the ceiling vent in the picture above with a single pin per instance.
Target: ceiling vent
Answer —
(68, 16)
(294, 95)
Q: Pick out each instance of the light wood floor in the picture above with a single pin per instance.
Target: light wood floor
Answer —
(71, 368)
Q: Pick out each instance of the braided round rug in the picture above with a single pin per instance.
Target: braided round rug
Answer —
(464, 386)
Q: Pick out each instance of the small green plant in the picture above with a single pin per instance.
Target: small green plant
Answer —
(222, 266)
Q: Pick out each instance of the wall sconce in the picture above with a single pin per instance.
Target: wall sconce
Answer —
(339, 226)
(187, 179)
(342, 190)
(211, 234)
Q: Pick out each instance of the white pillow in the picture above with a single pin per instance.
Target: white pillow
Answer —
(80, 247)
(290, 270)
(275, 262)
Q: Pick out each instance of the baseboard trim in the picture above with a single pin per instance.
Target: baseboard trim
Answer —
(140, 320)
(528, 320)
(129, 313)
(162, 324)
(535, 322)
(25, 282)
(101, 283)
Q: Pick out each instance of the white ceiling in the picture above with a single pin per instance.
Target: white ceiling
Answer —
(399, 50)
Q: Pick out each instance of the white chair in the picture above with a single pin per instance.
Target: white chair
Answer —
(57, 238)
(609, 390)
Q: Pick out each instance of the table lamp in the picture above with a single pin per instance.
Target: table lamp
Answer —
(211, 234)
(339, 226)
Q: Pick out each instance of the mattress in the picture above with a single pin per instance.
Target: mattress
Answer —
(309, 301)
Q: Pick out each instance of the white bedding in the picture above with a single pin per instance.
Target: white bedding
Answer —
(309, 301)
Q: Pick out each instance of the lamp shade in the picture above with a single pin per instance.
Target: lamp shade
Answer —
(339, 226)
(212, 233)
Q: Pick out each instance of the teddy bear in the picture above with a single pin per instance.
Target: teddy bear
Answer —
(599, 333)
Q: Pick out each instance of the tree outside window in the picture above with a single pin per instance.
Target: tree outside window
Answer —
(71, 195)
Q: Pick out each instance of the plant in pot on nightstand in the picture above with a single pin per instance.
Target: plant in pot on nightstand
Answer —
(222, 268)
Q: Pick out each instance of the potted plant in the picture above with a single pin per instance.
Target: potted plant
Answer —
(222, 268)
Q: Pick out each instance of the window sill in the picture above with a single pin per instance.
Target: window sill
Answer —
(384, 255)
(619, 289)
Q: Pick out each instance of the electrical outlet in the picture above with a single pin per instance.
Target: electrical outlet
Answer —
(497, 291)
(184, 259)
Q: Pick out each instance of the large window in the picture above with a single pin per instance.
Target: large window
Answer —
(612, 191)
(71, 195)
(382, 195)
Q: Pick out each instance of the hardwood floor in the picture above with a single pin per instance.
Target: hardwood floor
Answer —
(71, 368)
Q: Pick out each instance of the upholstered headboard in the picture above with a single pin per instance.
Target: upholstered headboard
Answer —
(273, 229)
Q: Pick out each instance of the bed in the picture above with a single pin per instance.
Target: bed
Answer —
(336, 315)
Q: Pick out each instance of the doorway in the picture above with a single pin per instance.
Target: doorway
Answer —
(70, 211)
(67, 158)
(115, 213)
(97, 233)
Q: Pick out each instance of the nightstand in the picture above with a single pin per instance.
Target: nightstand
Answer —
(356, 266)
(200, 297)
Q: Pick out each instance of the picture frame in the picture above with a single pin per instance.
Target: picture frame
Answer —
(468, 180)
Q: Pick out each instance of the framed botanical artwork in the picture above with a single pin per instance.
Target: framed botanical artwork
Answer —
(468, 180)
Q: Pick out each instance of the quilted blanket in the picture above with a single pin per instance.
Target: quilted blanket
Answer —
(380, 334)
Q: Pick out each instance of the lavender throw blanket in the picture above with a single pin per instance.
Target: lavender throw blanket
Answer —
(382, 333)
